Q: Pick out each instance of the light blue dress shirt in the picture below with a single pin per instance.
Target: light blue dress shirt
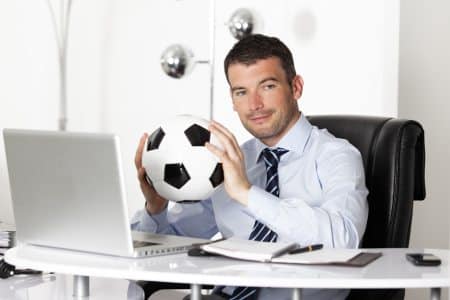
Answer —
(322, 200)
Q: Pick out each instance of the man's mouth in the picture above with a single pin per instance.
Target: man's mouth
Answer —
(259, 118)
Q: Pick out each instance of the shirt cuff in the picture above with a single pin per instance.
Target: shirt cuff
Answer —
(144, 221)
(262, 204)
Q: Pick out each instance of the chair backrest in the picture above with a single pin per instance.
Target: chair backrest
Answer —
(393, 153)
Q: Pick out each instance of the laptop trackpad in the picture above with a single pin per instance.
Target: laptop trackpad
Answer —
(140, 244)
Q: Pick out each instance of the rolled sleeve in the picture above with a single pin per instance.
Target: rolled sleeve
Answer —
(157, 223)
(262, 204)
(287, 216)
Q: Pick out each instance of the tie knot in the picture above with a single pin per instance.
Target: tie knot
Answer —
(272, 156)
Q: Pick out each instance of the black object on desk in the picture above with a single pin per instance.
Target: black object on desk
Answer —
(7, 270)
(423, 259)
(197, 251)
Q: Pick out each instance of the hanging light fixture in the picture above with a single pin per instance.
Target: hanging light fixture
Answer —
(241, 23)
(177, 61)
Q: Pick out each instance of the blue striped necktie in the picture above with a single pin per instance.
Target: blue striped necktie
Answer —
(261, 232)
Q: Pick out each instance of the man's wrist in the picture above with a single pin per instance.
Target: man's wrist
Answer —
(152, 211)
(242, 196)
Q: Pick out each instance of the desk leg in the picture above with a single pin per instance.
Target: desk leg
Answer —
(296, 294)
(80, 286)
(435, 294)
(196, 292)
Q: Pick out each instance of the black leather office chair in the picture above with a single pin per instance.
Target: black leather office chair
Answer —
(393, 153)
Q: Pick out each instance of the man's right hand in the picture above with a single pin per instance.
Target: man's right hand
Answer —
(154, 202)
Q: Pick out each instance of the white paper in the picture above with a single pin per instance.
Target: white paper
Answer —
(246, 249)
(322, 256)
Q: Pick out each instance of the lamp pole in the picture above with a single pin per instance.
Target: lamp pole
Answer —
(61, 34)
(212, 32)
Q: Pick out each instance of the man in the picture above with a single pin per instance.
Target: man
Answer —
(318, 194)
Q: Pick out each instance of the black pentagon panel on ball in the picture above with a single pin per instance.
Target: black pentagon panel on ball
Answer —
(197, 135)
(216, 177)
(155, 139)
(176, 175)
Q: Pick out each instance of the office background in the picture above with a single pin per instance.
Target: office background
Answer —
(370, 57)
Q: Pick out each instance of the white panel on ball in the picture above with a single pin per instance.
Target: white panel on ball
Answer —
(178, 164)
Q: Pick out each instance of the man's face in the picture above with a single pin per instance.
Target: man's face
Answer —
(263, 98)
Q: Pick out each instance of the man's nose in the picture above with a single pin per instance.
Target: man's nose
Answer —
(256, 101)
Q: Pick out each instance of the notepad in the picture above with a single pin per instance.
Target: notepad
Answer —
(248, 250)
(279, 253)
(322, 256)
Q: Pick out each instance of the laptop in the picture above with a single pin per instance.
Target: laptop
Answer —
(68, 192)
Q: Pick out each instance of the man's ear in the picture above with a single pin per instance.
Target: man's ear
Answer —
(297, 86)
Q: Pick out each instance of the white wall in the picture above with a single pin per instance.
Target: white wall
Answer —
(424, 94)
(346, 52)
(29, 72)
(27, 57)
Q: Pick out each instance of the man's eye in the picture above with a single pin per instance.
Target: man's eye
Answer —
(269, 86)
(239, 93)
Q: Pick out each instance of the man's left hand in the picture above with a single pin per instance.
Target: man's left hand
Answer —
(235, 177)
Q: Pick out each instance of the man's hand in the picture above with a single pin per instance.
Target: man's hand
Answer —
(154, 202)
(232, 158)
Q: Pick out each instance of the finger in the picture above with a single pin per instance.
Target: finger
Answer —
(224, 130)
(139, 150)
(221, 154)
(226, 143)
(227, 133)
(221, 127)
(141, 174)
(144, 182)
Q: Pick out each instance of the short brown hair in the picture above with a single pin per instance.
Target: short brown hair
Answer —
(257, 46)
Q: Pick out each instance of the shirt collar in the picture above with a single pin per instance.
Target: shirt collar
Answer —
(295, 139)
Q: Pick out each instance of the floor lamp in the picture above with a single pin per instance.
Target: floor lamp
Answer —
(61, 34)
(178, 60)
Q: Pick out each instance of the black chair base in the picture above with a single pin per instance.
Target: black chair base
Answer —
(391, 294)
(151, 287)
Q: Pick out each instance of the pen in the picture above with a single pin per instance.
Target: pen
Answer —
(306, 249)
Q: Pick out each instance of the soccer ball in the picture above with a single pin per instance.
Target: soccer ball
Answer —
(177, 163)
